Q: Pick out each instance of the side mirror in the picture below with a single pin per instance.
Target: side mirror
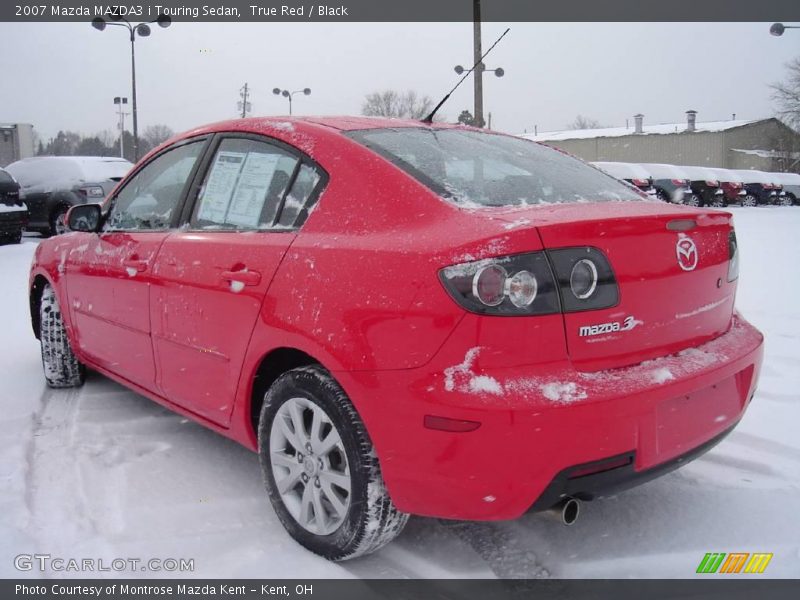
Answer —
(84, 217)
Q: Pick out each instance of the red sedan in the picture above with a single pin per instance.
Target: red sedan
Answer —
(404, 318)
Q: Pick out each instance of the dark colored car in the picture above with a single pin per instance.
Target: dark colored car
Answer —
(13, 212)
(631, 173)
(671, 184)
(50, 185)
(705, 185)
(732, 185)
(759, 188)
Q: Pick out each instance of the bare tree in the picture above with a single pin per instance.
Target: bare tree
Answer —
(153, 135)
(391, 103)
(786, 94)
(582, 122)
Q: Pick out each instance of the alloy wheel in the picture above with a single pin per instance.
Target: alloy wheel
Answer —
(310, 466)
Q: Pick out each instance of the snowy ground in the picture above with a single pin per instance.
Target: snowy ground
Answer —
(102, 472)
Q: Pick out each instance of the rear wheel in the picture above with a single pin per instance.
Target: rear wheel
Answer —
(61, 367)
(320, 468)
(786, 200)
(691, 200)
(58, 221)
(718, 202)
(749, 200)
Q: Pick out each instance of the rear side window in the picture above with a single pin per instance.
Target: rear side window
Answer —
(298, 200)
(244, 186)
(478, 169)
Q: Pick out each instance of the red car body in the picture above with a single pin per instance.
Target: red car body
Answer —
(472, 416)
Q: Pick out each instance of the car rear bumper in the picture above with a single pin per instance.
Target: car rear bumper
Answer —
(12, 221)
(540, 425)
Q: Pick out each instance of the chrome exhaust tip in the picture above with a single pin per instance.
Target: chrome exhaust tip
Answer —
(567, 511)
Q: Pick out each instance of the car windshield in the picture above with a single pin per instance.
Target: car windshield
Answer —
(483, 169)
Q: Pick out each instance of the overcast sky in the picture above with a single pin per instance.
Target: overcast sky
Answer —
(64, 76)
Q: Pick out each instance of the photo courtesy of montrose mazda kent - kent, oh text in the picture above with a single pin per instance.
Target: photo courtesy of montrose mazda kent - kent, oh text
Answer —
(405, 318)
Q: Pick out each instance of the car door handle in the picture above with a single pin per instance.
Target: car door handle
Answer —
(245, 277)
(134, 263)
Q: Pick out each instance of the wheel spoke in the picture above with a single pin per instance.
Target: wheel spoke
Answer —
(297, 420)
(330, 441)
(283, 460)
(336, 502)
(290, 480)
(338, 479)
(320, 515)
(316, 425)
(289, 434)
(306, 503)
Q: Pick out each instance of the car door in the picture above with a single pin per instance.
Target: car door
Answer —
(214, 272)
(110, 275)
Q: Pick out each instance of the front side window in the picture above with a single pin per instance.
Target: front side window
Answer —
(478, 169)
(244, 187)
(149, 199)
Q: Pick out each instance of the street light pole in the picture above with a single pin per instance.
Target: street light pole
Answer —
(143, 30)
(119, 101)
(476, 58)
(288, 95)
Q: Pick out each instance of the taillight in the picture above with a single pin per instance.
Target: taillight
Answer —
(680, 182)
(640, 182)
(712, 182)
(520, 284)
(92, 191)
(733, 257)
(526, 284)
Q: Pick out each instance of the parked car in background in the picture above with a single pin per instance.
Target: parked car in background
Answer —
(791, 187)
(13, 212)
(732, 185)
(671, 183)
(497, 327)
(705, 186)
(759, 187)
(629, 172)
(50, 185)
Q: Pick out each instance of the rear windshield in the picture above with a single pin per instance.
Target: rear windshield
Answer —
(5, 177)
(483, 169)
(101, 170)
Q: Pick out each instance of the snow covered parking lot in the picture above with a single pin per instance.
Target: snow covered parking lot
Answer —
(100, 472)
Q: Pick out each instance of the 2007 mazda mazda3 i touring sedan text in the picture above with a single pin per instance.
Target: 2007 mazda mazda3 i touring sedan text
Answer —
(404, 318)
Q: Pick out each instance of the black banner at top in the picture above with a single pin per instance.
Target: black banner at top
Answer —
(405, 10)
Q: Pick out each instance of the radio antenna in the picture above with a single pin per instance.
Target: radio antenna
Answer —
(429, 118)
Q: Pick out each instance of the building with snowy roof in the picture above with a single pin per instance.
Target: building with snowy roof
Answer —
(764, 144)
(16, 142)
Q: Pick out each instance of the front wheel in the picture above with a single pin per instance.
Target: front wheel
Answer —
(320, 468)
(749, 200)
(61, 367)
(691, 200)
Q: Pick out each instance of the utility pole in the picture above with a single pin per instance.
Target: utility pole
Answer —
(243, 104)
(477, 53)
(119, 102)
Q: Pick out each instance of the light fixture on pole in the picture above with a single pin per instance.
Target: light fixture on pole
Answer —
(119, 101)
(288, 95)
(777, 29)
(142, 30)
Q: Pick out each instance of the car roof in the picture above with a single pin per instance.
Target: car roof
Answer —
(311, 124)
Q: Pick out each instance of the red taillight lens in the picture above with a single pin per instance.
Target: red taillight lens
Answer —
(680, 182)
(712, 183)
(489, 284)
(641, 182)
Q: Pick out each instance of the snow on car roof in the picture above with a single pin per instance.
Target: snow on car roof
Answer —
(698, 173)
(663, 128)
(754, 176)
(48, 173)
(664, 171)
(622, 170)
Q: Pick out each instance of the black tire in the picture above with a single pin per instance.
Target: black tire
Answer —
(718, 202)
(786, 201)
(370, 520)
(57, 218)
(61, 367)
(692, 200)
(750, 200)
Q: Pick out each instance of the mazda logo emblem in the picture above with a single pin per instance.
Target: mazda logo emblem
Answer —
(687, 254)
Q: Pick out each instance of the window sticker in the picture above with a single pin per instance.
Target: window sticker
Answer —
(220, 185)
(251, 189)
